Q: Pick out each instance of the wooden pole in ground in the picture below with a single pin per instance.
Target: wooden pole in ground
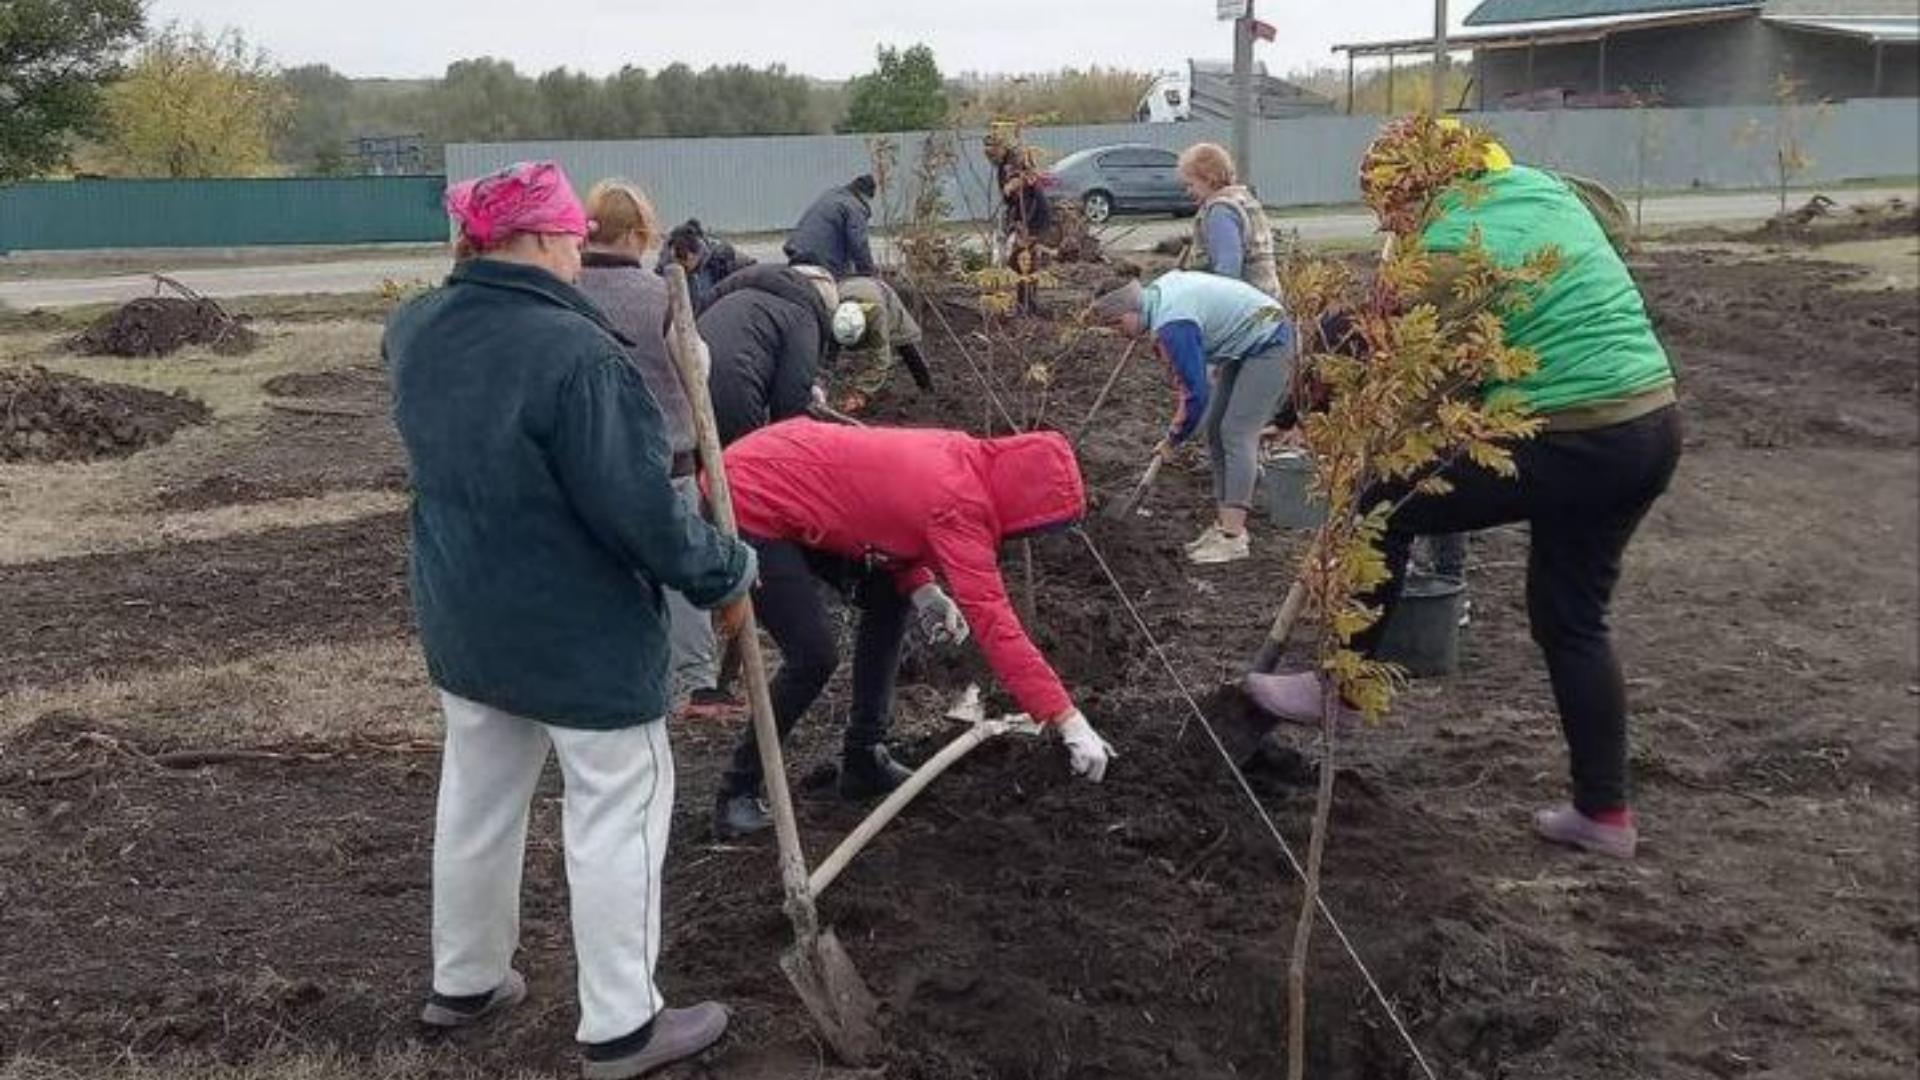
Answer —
(1439, 57)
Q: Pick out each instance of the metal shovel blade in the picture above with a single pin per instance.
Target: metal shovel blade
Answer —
(841, 1005)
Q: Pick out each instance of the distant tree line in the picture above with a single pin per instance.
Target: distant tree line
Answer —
(90, 88)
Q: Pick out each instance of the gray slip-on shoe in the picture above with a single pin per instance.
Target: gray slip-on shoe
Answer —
(442, 1011)
(675, 1035)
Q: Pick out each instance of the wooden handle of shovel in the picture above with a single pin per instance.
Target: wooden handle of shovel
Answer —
(856, 841)
(1139, 492)
(690, 356)
(1282, 629)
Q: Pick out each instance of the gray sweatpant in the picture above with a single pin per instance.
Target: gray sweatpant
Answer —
(1246, 394)
(692, 663)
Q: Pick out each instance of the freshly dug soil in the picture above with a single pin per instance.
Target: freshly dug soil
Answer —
(1774, 355)
(49, 416)
(162, 325)
(1023, 926)
(331, 433)
(202, 602)
(1842, 224)
(356, 385)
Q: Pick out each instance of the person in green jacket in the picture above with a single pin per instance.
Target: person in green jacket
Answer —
(1605, 390)
(545, 527)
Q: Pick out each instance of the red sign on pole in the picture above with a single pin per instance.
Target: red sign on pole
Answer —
(1263, 30)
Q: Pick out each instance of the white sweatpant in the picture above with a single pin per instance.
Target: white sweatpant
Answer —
(615, 818)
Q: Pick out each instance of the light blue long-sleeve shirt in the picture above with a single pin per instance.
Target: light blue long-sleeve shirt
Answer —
(1235, 319)
(1200, 319)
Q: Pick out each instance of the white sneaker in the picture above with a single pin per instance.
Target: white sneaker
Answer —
(1207, 536)
(1217, 547)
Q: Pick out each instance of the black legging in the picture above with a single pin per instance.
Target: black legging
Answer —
(1583, 494)
(789, 602)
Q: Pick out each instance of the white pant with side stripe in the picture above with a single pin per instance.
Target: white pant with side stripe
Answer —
(615, 819)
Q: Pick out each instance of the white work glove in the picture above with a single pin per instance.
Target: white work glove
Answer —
(818, 397)
(939, 616)
(1087, 752)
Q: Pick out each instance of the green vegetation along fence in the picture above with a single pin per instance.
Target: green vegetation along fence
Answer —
(78, 214)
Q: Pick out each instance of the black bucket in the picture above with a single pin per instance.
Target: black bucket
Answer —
(1423, 633)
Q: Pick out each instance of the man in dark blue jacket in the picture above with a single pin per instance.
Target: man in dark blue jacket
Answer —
(545, 526)
(833, 232)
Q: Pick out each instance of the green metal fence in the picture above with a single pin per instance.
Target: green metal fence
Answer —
(78, 214)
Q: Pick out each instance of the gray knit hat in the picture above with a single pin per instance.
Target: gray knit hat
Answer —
(1120, 301)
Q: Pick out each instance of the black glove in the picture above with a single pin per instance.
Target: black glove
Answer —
(917, 367)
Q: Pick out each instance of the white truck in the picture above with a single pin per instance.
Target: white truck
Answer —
(1203, 90)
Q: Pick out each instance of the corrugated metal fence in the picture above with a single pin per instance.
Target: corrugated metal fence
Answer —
(79, 214)
(764, 183)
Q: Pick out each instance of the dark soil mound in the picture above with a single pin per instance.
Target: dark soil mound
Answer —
(1776, 354)
(47, 416)
(326, 384)
(162, 325)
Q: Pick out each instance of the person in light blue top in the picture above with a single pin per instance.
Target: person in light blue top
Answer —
(1230, 350)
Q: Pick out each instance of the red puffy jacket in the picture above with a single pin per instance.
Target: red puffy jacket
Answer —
(928, 503)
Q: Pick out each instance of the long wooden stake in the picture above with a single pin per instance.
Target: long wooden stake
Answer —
(1098, 402)
(1310, 899)
(689, 352)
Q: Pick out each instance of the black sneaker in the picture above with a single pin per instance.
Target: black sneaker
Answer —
(445, 1011)
(870, 772)
(735, 816)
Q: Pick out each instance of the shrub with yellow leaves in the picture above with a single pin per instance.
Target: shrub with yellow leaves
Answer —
(1399, 377)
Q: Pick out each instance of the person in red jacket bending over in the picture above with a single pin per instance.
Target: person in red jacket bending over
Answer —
(885, 515)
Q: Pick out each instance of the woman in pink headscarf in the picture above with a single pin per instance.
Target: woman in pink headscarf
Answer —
(545, 528)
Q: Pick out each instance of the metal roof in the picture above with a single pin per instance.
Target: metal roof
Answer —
(1502, 12)
(1559, 31)
(1881, 31)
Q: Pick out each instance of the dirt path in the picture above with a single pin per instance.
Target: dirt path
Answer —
(1023, 926)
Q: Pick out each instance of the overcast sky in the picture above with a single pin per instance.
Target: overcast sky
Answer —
(826, 38)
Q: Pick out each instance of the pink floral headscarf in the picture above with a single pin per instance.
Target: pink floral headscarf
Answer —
(530, 197)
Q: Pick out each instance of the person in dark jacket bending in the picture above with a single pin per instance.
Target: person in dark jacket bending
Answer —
(770, 333)
(545, 526)
(707, 259)
(833, 232)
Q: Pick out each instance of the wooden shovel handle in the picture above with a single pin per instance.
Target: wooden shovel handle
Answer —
(897, 800)
(1276, 639)
(688, 351)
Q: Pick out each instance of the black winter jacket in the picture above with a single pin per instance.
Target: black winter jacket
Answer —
(769, 333)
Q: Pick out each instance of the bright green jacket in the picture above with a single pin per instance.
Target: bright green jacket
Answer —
(1588, 324)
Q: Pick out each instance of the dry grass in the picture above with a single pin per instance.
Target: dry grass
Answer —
(60, 524)
(397, 1065)
(321, 693)
(56, 510)
(1890, 264)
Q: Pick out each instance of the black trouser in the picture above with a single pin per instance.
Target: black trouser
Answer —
(1583, 494)
(791, 604)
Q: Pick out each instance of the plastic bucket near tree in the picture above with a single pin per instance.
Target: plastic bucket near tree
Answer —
(1283, 491)
(1423, 633)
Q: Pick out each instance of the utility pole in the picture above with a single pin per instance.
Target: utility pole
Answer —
(1242, 81)
(1439, 57)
